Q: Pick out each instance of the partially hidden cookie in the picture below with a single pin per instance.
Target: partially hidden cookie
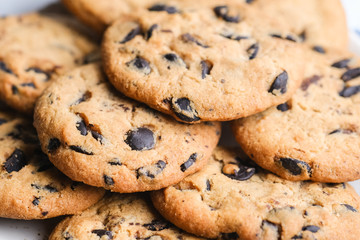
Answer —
(95, 135)
(231, 198)
(34, 51)
(316, 134)
(30, 186)
(201, 64)
(120, 216)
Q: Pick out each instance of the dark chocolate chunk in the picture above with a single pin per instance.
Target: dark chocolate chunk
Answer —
(16, 161)
(133, 33)
(342, 63)
(108, 180)
(151, 171)
(223, 11)
(308, 81)
(351, 74)
(294, 166)
(208, 185)
(283, 107)
(183, 110)
(295, 237)
(238, 171)
(103, 232)
(349, 207)
(349, 91)
(2, 121)
(140, 139)
(115, 162)
(344, 131)
(302, 36)
(32, 85)
(36, 201)
(229, 236)
(67, 236)
(319, 49)
(192, 159)
(290, 38)
(275, 35)
(280, 83)
(53, 145)
(4, 68)
(287, 37)
(150, 31)
(206, 67)
(45, 213)
(311, 228)
(163, 7)
(234, 37)
(157, 225)
(81, 126)
(171, 57)
(277, 228)
(80, 150)
(86, 96)
(97, 136)
(50, 189)
(14, 89)
(189, 38)
(39, 71)
(140, 64)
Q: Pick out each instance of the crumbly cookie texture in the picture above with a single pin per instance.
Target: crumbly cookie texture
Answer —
(232, 198)
(314, 135)
(95, 135)
(119, 216)
(30, 186)
(207, 64)
(34, 51)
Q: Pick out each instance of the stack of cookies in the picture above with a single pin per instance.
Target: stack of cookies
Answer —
(127, 142)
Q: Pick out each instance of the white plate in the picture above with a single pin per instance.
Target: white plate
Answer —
(40, 229)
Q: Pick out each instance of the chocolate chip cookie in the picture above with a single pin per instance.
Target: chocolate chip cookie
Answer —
(316, 134)
(95, 135)
(205, 64)
(30, 186)
(34, 51)
(232, 198)
(120, 216)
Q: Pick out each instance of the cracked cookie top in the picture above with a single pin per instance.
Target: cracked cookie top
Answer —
(95, 135)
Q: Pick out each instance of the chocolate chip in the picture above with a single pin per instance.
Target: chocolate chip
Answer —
(44, 213)
(150, 31)
(290, 38)
(133, 33)
(151, 171)
(351, 74)
(275, 35)
(97, 136)
(280, 83)
(81, 126)
(2, 121)
(192, 159)
(67, 236)
(283, 107)
(53, 145)
(103, 232)
(39, 71)
(16, 161)
(234, 37)
(302, 36)
(163, 7)
(157, 225)
(115, 162)
(299, 236)
(238, 171)
(80, 150)
(311, 228)
(208, 185)
(155, 237)
(36, 201)
(319, 49)
(140, 64)
(32, 85)
(294, 166)
(308, 81)
(206, 67)
(171, 57)
(349, 207)
(14, 89)
(189, 38)
(349, 91)
(342, 63)
(86, 96)
(4, 68)
(222, 12)
(229, 236)
(140, 139)
(344, 131)
(50, 189)
(183, 109)
(276, 228)
(108, 180)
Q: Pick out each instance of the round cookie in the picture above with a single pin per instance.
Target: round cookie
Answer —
(232, 199)
(30, 186)
(314, 135)
(207, 64)
(36, 50)
(119, 216)
(95, 135)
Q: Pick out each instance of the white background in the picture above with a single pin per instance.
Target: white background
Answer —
(39, 230)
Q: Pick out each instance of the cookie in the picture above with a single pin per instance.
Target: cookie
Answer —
(95, 135)
(207, 64)
(30, 186)
(231, 198)
(119, 216)
(36, 50)
(316, 134)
